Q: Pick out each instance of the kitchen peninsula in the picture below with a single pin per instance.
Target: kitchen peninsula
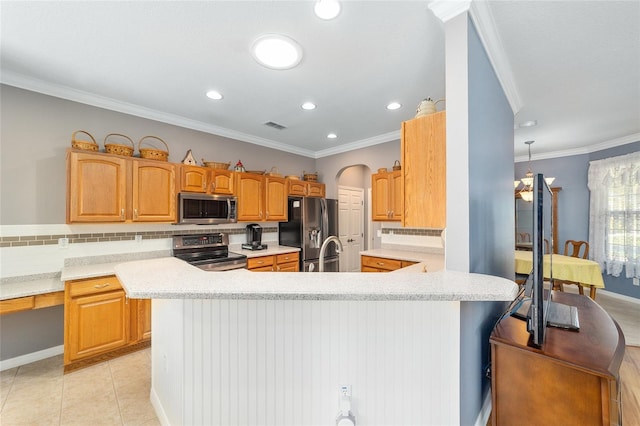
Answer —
(239, 347)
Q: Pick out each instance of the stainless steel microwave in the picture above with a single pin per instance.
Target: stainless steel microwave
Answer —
(206, 209)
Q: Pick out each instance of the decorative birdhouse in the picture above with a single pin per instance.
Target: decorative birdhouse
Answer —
(189, 159)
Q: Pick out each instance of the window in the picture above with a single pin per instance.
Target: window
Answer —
(614, 214)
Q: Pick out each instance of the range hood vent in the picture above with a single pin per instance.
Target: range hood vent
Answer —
(275, 125)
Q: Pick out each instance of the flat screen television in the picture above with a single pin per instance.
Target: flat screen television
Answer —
(535, 304)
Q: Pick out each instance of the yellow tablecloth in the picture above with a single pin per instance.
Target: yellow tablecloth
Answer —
(586, 272)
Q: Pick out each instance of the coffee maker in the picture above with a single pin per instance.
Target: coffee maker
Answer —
(254, 238)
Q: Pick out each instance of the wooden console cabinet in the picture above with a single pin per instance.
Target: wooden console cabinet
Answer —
(572, 380)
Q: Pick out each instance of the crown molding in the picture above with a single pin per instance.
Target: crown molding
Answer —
(447, 9)
(363, 143)
(64, 92)
(486, 27)
(635, 137)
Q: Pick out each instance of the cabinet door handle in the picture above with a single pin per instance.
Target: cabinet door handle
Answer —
(122, 213)
(380, 263)
(135, 213)
(204, 185)
(213, 186)
(278, 268)
(102, 285)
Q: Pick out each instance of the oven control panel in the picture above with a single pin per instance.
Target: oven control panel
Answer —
(202, 240)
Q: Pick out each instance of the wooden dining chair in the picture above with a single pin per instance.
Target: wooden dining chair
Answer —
(574, 249)
(523, 237)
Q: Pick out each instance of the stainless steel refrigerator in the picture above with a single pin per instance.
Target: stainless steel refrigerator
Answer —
(311, 221)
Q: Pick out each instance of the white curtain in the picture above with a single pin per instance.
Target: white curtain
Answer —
(614, 214)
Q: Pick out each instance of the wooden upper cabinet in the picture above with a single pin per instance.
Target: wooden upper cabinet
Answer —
(297, 187)
(276, 199)
(250, 194)
(424, 171)
(206, 180)
(306, 189)
(222, 182)
(315, 189)
(193, 179)
(154, 191)
(386, 189)
(96, 188)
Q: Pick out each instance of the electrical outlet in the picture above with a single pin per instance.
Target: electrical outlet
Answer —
(138, 238)
(345, 390)
(63, 242)
(636, 281)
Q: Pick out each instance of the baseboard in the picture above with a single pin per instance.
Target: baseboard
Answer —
(485, 411)
(618, 296)
(31, 357)
(157, 406)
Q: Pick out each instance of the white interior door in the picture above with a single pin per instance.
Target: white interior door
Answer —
(351, 227)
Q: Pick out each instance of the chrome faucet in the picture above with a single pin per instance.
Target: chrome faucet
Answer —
(324, 247)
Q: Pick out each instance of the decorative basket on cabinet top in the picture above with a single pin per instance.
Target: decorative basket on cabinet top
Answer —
(85, 145)
(118, 149)
(153, 153)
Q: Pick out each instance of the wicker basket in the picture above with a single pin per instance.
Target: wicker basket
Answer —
(84, 145)
(382, 170)
(118, 149)
(397, 166)
(292, 177)
(153, 153)
(274, 172)
(216, 165)
(310, 177)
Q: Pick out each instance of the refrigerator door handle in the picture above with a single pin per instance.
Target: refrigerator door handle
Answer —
(325, 220)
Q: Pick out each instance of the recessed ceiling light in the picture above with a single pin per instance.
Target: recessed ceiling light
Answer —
(529, 123)
(277, 52)
(327, 9)
(212, 94)
(332, 136)
(394, 105)
(308, 106)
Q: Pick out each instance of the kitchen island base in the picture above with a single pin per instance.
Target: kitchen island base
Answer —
(219, 362)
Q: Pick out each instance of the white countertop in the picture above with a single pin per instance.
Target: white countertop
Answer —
(171, 278)
(30, 287)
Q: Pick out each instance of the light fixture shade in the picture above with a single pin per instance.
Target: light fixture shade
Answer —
(516, 183)
(527, 196)
(549, 180)
(527, 181)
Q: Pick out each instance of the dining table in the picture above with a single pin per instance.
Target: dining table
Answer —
(584, 272)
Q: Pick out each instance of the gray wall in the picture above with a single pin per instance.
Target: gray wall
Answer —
(573, 200)
(36, 132)
(491, 220)
(331, 167)
(31, 331)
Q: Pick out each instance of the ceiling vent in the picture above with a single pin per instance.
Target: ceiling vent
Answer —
(274, 125)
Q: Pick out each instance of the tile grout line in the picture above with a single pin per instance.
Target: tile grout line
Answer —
(13, 380)
(115, 392)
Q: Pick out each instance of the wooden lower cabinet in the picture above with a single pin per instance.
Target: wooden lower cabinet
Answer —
(101, 322)
(286, 262)
(382, 264)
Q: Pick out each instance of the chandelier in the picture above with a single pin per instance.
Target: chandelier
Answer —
(526, 193)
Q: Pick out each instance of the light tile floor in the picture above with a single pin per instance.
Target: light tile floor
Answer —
(114, 392)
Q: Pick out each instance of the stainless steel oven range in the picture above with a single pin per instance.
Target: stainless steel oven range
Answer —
(209, 252)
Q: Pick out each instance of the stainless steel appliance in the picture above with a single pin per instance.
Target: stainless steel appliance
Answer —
(208, 251)
(206, 209)
(311, 221)
(254, 238)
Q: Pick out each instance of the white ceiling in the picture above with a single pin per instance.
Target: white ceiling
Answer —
(574, 66)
